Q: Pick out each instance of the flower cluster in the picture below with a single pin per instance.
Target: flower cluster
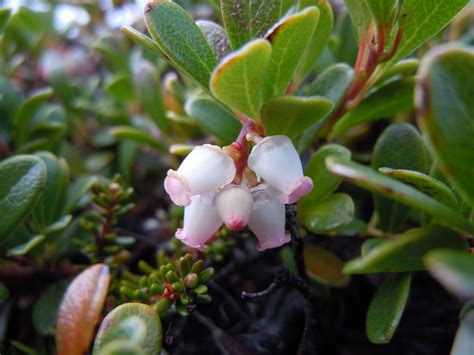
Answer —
(208, 184)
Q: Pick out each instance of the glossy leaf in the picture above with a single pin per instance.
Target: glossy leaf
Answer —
(136, 322)
(45, 309)
(138, 135)
(405, 251)
(332, 213)
(399, 146)
(25, 248)
(454, 270)
(80, 310)
(385, 102)
(464, 340)
(238, 80)
(318, 39)
(22, 179)
(180, 39)
(249, 19)
(445, 90)
(425, 183)
(325, 182)
(388, 187)
(289, 39)
(386, 308)
(291, 115)
(214, 118)
(323, 266)
(216, 37)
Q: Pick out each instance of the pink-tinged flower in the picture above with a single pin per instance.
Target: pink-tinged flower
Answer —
(205, 169)
(275, 160)
(201, 221)
(234, 205)
(267, 220)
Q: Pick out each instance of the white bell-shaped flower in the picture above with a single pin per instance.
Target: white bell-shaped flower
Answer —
(276, 160)
(267, 220)
(201, 221)
(234, 205)
(205, 169)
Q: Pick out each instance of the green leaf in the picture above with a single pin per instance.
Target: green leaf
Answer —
(136, 322)
(420, 20)
(445, 90)
(325, 182)
(149, 92)
(332, 213)
(80, 187)
(120, 87)
(4, 293)
(45, 309)
(180, 39)
(216, 37)
(59, 225)
(425, 183)
(138, 135)
(383, 11)
(400, 146)
(214, 118)
(454, 270)
(121, 347)
(332, 83)
(140, 38)
(405, 251)
(245, 20)
(388, 187)
(464, 340)
(406, 68)
(360, 15)
(385, 102)
(289, 39)
(50, 206)
(25, 114)
(25, 248)
(291, 115)
(238, 80)
(324, 267)
(4, 16)
(22, 179)
(318, 40)
(386, 308)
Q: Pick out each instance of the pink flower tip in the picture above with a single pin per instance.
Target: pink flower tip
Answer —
(274, 242)
(236, 224)
(177, 189)
(190, 242)
(297, 190)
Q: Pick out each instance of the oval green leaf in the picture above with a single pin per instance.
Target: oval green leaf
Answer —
(323, 266)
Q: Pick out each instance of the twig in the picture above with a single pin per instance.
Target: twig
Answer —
(296, 241)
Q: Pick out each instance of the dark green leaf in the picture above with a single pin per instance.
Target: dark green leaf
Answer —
(24, 249)
(80, 187)
(4, 16)
(386, 308)
(245, 20)
(445, 90)
(180, 39)
(332, 213)
(289, 39)
(388, 187)
(22, 179)
(291, 115)
(46, 307)
(4, 293)
(10, 101)
(238, 80)
(405, 251)
(385, 102)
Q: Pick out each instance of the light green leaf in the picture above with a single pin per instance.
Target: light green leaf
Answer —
(425, 183)
(360, 15)
(180, 39)
(386, 308)
(291, 115)
(385, 102)
(332, 213)
(289, 39)
(404, 68)
(454, 270)
(24, 249)
(445, 92)
(245, 20)
(238, 80)
(420, 20)
(22, 179)
(138, 135)
(4, 16)
(399, 146)
(383, 11)
(214, 118)
(388, 187)
(142, 39)
(324, 267)
(464, 340)
(325, 182)
(405, 251)
(318, 40)
(136, 322)
(121, 347)
(59, 225)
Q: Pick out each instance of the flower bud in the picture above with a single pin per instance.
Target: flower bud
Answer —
(205, 169)
(234, 205)
(276, 160)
